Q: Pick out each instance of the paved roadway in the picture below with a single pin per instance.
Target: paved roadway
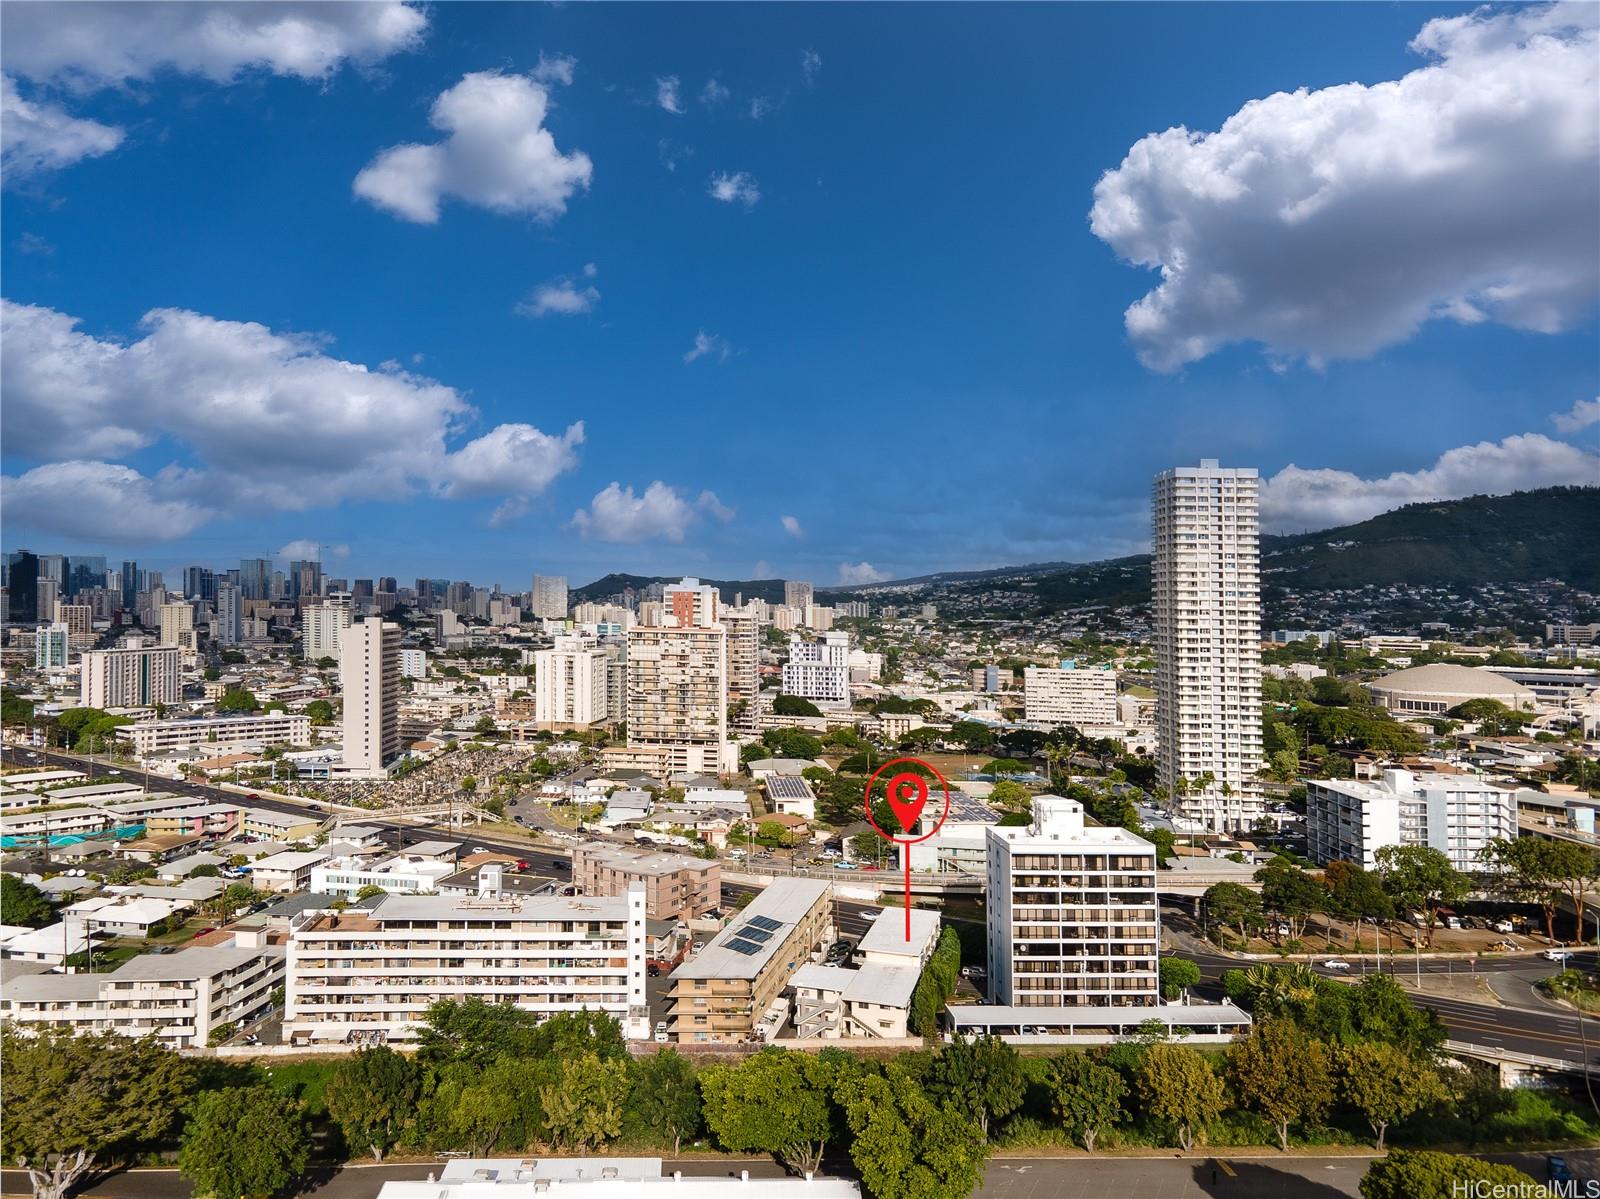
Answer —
(1534, 1028)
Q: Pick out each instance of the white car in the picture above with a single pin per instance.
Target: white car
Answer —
(1336, 964)
(1502, 926)
(1556, 955)
(661, 1031)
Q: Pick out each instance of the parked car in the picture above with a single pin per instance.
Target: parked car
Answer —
(697, 946)
(1502, 926)
(1336, 964)
(1558, 1168)
(973, 972)
(523, 865)
(661, 1030)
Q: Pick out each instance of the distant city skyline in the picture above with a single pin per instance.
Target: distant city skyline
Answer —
(760, 292)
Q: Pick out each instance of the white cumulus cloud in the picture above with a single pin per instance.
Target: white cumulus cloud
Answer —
(271, 419)
(1329, 224)
(1584, 413)
(304, 549)
(708, 344)
(810, 64)
(668, 96)
(565, 296)
(737, 188)
(554, 68)
(714, 93)
(37, 136)
(853, 573)
(93, 45)
(791, 526)
(99, 501)
(1296, 498)
(497, 154)
(618, 515)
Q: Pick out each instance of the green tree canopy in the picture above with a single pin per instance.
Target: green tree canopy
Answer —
(474, 1032)
(1178, 975)
(1085, 1095)
(244, 1142)
(1282, 1073)
(794, 705)
(320, 711)
(774, 1102)
(79, 1103)
(1411, 1175)
(905, 1145)
(373, 1096)
(981, 1077)
(583, 1102)
(1178, 1086)
(1419, 876)
(1234, 904)
(240, 699)
(1386, 1083)
(665, 1097)
(23, 903)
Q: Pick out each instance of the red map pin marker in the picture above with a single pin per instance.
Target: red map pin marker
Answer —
(907, 793)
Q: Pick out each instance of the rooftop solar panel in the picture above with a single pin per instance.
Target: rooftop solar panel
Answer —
(755, 934)
(739, 945)
(766, 922)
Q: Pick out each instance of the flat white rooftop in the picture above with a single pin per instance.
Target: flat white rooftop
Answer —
(513, 1178)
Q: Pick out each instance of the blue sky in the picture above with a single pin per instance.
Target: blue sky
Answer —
(915, 343)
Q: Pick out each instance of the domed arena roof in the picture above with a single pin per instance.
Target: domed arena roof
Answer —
(1440, 678)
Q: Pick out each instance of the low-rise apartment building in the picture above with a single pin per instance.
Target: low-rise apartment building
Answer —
(872, 999)
(399, 875)
(286, 872)
(221, 733)
(676, 886)
(721, 993)
(369, 975)
(1458, 814)
(179, 998)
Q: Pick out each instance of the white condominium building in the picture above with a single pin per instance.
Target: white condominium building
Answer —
(1073, 915)
(369, 677)
(135, 675)
(51, 645)
(228, 628)
(819, 670)
(678, 694)
(178, 998)
(571, 683)
(322, 624)
(365, 976)
(1206, 587)
(1083, 698)
(414, 663)
(1457, 814)
(549, 597)
(744, 666)
(402, 874)
(219, 733)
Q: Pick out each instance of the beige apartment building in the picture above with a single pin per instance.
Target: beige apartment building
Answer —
(368, 976)
(134, 675)
(721, 993)
(678, 694)
(676, 886)
(369, 678)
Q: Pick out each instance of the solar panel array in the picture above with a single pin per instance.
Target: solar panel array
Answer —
(766, 922)
(752, 933)
(787, 786)
(740, 945)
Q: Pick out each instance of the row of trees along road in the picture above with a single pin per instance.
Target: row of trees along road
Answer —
(1331, 1063)
(1408, 878)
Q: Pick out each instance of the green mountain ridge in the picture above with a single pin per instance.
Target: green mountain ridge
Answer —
(1548, 533)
